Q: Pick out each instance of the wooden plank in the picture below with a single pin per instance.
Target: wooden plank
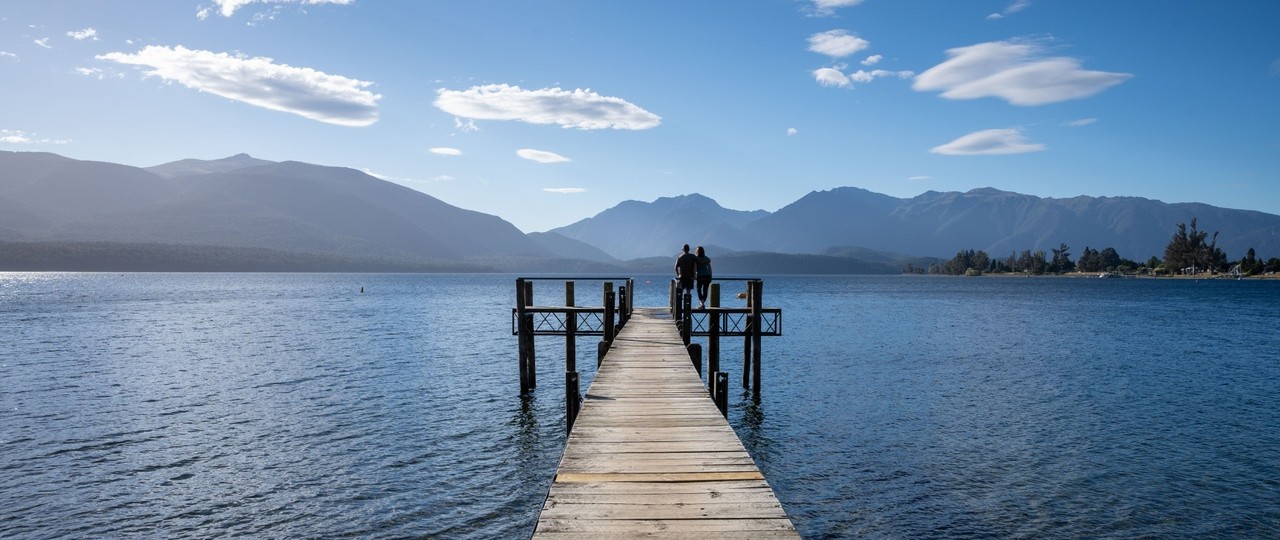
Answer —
(650, 456)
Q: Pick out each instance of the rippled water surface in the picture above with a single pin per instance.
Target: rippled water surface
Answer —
(234, 405)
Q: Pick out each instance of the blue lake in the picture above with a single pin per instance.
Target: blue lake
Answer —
(292, 405)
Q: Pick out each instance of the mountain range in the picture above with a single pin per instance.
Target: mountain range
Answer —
(305, 216)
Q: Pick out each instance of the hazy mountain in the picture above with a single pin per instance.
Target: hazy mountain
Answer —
(193, 167)
(567, 248)
(635, 229)
(933, 224)
(289, 206)
(999, 222)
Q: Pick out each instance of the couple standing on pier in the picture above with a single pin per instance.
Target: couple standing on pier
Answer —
(691, 268)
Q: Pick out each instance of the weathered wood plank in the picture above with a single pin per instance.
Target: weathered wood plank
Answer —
(650, 456)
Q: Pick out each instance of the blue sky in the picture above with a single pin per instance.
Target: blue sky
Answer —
(545, 113)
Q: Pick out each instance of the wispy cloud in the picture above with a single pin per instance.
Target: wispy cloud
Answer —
(7, 54)
(227, 8)
(1275, 68)
(92, 72)
(581, 109)
(837, 43)
(260, 81)
(564, 190)
(989, 142)
(919, 178)
(43, 42)
(1013, 7)
(446, 151)
(13, 136)
(1080, 122)
(81, 35)
(834, 77)
(826, 8)
(541, 156)
(791, 131)
(1014, 72)
(873, 60)
(466, 127)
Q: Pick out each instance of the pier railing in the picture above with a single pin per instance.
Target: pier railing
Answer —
(750, 322)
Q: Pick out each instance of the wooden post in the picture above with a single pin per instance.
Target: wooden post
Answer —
(686, 330)
(671, 299)
(713, 332)
(722, 392)
(602, 348)
(623, 291)
(571, 400)
(570, 331)
(757, 304)
(695, 354)
(521, 338)
(528, 322)
(746, 342)
(608, 311)
(631, 296)
(746, 352)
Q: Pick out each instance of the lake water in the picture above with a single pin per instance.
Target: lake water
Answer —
(237, 405)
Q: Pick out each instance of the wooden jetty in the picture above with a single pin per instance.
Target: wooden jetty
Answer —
(650, 455)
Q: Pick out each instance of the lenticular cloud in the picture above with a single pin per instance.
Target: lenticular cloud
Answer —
(1014, 72)
(259, 81)
(581, 109)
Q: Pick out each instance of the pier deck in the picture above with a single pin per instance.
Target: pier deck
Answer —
(650, 455)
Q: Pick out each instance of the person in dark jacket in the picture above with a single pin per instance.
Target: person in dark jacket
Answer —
(686, 270)
(704, 277)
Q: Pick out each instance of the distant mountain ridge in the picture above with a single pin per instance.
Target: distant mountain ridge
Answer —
(243, 202)
(299, 215)
(935, 224)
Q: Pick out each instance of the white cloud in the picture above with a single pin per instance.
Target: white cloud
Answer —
(7, 54)
(582, 109)
(837, 43)
(1081, 122)
(13, 136)
(91, 72)
(443, 178)
(1014, 72)
(44, 42)
(446, 151)
(873, 60)
(791, 131)
(989, 142)
(1275, 68)
(260, 81)
(824, 8)
(919, 178)
(465, 127)
(1013, 7)
(831, 77)
(227, 8)
(565, 190)
(81, 35)
(541, 156)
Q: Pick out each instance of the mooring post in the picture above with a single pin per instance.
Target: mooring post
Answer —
(757, 305)
(695, 354)
(721, 392)
(521, 338)
(686, 329)
(623, 291)
(532, 364)
(671, 299)
(746, 342)
(570, 330)
(713, 332)
(571, 400)
(609, 312)
(631, 294)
